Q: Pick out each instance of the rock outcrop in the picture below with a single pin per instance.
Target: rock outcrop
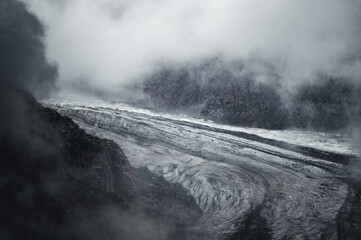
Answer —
(231, 93)
(59, 182)
(219, 92)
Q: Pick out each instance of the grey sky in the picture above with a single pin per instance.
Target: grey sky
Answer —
(109, 43)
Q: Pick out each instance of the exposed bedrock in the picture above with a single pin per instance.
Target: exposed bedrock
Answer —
(232, 93)
(58, 182)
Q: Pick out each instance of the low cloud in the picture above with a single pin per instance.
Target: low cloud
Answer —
(23, 61)
(108, 44)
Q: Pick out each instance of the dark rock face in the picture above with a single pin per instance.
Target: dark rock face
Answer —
(218, 92)
(65, 148)
(60, 183)
(21, 41)
(348, 223)
(229, 93)
(332, 104)
(99, 162)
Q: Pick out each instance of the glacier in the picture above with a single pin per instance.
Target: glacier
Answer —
(297, 182)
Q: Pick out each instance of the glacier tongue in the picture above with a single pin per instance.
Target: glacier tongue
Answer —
(298, 195)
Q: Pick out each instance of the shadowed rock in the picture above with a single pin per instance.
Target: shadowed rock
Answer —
(59, 182)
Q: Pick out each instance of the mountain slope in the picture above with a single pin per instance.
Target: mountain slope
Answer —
(254, 96)
(59, 182)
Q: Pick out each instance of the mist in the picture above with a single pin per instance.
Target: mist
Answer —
(23, 61)
(270, 65)
(108, 45)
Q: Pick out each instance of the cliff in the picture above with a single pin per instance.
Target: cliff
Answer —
(253, 96)
(59, 182)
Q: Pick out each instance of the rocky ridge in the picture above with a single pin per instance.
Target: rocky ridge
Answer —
(62, 183)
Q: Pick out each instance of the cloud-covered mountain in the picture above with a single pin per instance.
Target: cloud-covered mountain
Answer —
(232, 93)
(60, 183)
(107, 45)
(24, 62)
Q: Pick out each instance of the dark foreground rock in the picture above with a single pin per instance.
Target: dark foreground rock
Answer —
(57, 182)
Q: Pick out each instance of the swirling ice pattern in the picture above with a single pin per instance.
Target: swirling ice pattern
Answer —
(229, 176)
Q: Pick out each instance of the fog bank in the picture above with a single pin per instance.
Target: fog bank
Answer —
(107, 45)
(23, 61)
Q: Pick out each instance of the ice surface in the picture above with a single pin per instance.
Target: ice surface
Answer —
(229, 176)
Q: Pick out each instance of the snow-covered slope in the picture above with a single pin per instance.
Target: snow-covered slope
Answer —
(289, 181)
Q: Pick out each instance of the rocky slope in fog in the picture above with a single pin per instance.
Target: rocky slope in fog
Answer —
(252, 96)
(59, 182)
